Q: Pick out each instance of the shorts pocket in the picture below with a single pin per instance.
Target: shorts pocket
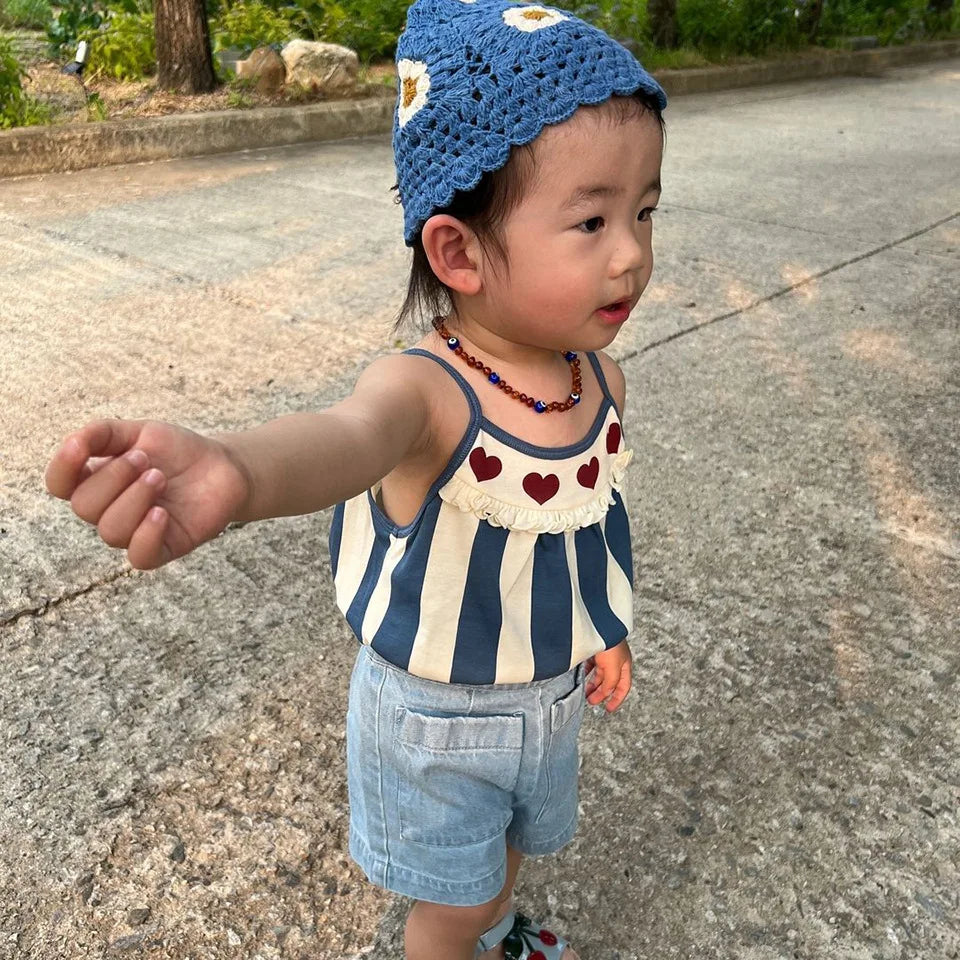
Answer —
(567, 708)
(562, 760)
(456, 776)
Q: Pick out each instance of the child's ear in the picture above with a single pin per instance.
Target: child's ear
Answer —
(454, 253)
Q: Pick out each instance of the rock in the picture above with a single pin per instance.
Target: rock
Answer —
(175, 849)
(132, 942)
(265, 66)
(321, 67)
(137, 916)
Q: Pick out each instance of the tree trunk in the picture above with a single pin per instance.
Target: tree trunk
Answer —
(663, 23)
(808, 22)
(184, 60)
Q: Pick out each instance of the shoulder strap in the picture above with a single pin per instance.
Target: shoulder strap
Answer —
(602, 380)
(473, 426)
(472, 400)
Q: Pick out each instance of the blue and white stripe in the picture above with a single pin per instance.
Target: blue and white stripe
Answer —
(455, 598)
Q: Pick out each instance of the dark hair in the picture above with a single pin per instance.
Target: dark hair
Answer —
(486, 208)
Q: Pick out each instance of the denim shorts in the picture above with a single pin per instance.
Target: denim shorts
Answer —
(442, 776)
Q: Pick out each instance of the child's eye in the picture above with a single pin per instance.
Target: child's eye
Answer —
(599, 220)
(592, 220)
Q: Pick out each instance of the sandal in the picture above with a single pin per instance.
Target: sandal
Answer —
(522, 939)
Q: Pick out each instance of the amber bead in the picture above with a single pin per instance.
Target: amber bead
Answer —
(476, 364)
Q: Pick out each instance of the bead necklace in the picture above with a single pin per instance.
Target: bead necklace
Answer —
(539, 406)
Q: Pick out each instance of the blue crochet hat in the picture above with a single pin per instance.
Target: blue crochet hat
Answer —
(477, 77)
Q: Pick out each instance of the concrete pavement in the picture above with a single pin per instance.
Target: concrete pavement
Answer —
(783, 782)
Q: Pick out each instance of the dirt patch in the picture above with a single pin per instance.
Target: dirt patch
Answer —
(127, 99)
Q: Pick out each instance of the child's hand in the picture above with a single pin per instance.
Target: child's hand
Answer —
(612, 676)
(153, 488)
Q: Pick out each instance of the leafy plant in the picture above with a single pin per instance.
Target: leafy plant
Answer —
(75, 17)
(624, 21)
(732, 27)
(890, 21)
(242, 84)
(124, 47)
(12, 73)
(96, 108)
(30, 14)
(239, 100)
(17, 109)
(370, 27)
(249, 25)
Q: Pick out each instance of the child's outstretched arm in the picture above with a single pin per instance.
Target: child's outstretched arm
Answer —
(159, 490)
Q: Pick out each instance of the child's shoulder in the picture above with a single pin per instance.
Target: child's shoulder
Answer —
(616, 381)
(415, 378)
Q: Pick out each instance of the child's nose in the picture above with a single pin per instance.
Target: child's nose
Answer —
(632, 255)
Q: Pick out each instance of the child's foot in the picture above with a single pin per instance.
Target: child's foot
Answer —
(497, 953)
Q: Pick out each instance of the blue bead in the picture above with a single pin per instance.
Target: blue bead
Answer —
(539, 406)
(494, 378)
(575, 397)
(569, 356)
(453, 343)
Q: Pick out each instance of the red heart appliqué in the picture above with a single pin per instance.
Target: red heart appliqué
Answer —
(613, 438)
(484, 467)
(588, 473)
(541, 488)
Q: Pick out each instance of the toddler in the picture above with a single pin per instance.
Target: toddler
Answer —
(480, 546)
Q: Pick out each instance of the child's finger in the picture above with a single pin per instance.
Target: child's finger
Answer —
(621, 690)
(91, 499)
(123, 516)
(146, 550)
(91, 467)
(68, 467)
(603, 688)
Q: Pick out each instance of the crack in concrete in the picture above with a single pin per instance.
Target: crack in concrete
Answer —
(785, 290)
(51, 603)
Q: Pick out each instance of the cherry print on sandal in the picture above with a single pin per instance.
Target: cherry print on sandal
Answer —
(527, 940)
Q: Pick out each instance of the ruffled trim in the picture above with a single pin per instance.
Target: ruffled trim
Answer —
(499, 513)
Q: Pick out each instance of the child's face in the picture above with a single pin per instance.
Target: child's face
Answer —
(568, 260)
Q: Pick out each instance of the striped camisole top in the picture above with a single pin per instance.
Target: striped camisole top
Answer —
(516, 567)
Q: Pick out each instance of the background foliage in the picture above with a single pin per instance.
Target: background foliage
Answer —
(122, 47)
(121, 36)
(28, 14)
(245, 26)
(16, 108)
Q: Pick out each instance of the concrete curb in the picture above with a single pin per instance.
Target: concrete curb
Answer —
(33, 150)
(854, 62)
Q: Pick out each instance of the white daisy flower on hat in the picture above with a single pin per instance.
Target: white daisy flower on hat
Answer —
(532, 17)
(414, 84)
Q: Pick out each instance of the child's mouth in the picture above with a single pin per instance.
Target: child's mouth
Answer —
(615, 312)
